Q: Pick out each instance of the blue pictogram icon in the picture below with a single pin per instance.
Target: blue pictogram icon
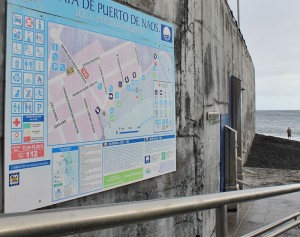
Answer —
(28, 107)
(39, 79)
(16, 107)
(39, 93)
(28, 78)
(28, 64)
(17, 34)
(16, 78)
(39, 65)
(54, 56)
(39, 51)
(16, 63)
(62, 67)
(54, 66)
(39, 38)
(39, 24)
(17, 48)
(17, 19)
(39, 107)
(16, 92)
(55, 47)
(28, 50)
(28, 36)
(28, 93)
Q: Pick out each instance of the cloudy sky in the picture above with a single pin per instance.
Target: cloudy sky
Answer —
(272, 33)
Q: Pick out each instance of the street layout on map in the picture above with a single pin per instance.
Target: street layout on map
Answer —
(104, 94)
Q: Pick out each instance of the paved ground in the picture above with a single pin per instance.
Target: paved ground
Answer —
(253, 215)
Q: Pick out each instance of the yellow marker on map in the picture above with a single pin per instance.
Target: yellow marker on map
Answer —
(70, 71)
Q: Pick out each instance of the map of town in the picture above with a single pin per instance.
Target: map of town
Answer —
(65, 173)
(103, 88)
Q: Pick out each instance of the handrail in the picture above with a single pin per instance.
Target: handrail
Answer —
(284, 229)
(59, 222)
(271, 226)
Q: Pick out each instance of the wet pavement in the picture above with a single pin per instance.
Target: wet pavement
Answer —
(256, 214)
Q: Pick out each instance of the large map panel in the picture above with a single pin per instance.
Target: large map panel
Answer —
(90, 100)
(108, 88)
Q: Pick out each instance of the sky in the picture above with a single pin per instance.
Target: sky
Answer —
(272, 34)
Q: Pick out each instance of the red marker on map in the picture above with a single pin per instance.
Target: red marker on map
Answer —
(85, 73)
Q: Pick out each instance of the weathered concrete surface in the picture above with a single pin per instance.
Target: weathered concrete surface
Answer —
(208, 48)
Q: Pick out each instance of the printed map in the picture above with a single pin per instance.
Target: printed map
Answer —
(65, 172)
(100, 87)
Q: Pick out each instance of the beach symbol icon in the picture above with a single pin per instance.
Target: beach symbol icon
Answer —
(166, 33)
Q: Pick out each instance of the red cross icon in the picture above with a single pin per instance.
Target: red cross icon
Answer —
(16, 122)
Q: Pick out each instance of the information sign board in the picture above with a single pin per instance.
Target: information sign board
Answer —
(90, 100)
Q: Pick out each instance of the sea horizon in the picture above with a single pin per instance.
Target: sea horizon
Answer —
(275, 123)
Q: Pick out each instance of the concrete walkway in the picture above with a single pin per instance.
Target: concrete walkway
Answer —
(255, 214)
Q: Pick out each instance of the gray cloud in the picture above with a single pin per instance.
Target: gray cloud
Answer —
(271, 31)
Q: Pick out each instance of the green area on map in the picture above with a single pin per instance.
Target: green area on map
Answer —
(123, 177)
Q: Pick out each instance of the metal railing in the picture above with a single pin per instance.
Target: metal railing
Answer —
(274, 225)
(60, 222)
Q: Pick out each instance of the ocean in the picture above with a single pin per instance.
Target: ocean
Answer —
(275, 123)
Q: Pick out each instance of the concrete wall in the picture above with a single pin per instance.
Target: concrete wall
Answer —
(208, 47)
